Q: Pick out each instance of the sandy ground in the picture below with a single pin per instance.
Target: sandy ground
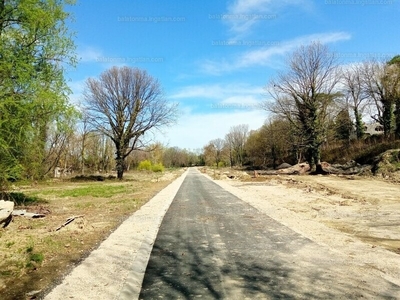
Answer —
(356, 217)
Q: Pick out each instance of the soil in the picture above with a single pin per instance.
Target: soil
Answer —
(36, 253)
(358, 216)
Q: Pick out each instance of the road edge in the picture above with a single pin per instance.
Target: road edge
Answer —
(133, 284)
(115, 270)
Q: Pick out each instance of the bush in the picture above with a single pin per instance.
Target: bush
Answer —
(145, 165)
(158, 168)
(221, 164)
(148, 166)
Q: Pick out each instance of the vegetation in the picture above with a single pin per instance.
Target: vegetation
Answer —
(124, 104)
(35, 255)
(318, 112)
(146, 165)
(35, 116)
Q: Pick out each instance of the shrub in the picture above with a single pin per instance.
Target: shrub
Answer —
(145, 165)
(158, 168)
(221, 164)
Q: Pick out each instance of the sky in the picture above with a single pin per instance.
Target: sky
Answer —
(214, 58)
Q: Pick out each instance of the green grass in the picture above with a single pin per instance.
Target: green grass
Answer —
(9, 244)
(97, 191)
(36, 257)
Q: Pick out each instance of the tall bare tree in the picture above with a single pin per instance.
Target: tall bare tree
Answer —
(393, 74)
(380, 88)
(304, 93)
(355, 95)
(124, 104)
(236, 141)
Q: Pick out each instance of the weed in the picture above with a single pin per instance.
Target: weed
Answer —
(9, 244)
(5, 273)
(36, 257)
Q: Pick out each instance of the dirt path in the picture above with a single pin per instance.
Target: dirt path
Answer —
(357, 217)
(213, 245)
(339, 214)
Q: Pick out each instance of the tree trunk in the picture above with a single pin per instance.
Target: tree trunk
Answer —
(120, 164)
(359, 124)
(387, 118)
(120, 168)
(397, 118)
(317, 161)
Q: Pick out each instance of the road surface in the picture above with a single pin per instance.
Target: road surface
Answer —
(212, 245)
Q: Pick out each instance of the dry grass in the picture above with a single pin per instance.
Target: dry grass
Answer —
(34, 255)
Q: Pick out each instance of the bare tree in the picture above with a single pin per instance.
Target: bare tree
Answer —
(380, 89)
(304, 93)
(214, 151)
(393, 74)
(124, 104)
(355, 95)
(236, 140)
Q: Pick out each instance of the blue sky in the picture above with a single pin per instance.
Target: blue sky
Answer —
(214, 57)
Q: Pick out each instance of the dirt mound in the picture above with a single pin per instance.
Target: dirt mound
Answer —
(349, 168)
(387, 165)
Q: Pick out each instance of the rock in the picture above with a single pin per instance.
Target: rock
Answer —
(296, 169)
(349, 168)
(26, 214)
(283, 166)
(387, 162)
(6, 209)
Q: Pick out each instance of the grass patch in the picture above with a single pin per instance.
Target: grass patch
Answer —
(97, 191)
(9, 244)
(36, 257)
(33, 258)
(6, 273)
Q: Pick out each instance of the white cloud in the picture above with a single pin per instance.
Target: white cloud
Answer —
(194, 131)
(266, 56)
(242, 15)
(216, 91)
(89, 54)
(242, 100)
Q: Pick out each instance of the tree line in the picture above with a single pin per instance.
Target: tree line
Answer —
(40, 130)
(315, 102)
